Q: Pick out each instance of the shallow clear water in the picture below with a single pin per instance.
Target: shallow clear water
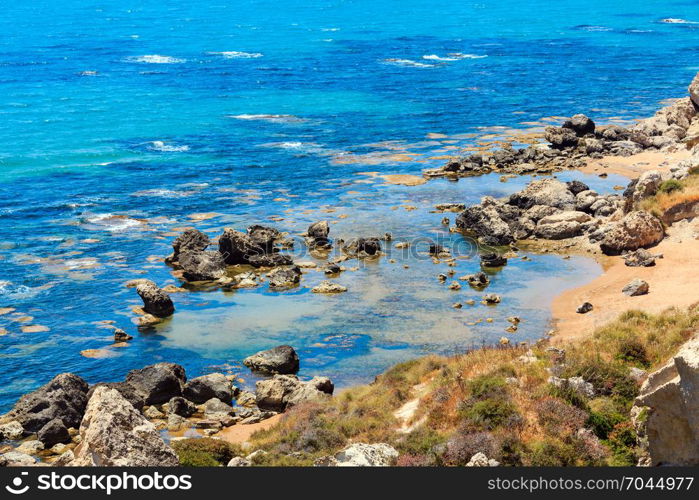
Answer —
(157, 112)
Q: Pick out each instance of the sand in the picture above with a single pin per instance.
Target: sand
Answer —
(633, 166)
(673, 282)
(240, 434)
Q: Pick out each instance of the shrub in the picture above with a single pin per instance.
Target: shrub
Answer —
(489, 413)
(551, 452)
(622, 441)
(670, 185)
(568, 394)
(511, 451)
(421, 441)
(204, 452)
(559, 417)
(416, 461)
(462, 446)
(487, 386)
(607, 378)
(633, 351)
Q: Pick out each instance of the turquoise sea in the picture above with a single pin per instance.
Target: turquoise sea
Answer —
(123, 122)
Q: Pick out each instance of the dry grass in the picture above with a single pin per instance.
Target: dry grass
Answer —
(490, 398)
(664, 201)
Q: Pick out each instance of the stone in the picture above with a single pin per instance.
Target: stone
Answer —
(281, 359)
(11, 431)
(585, 199)
(561, 138)
(647, 185)
(584, 308)
(486, 225)
(246, 399)
(121, 336)
(492, 298)
(493, 260)
(319, 230)
(214, 385)
(129, 392)
(639, 258)
(264, 236)
(115, 434)
(636, 287)
(694, 90)
(53, 432)
(239, 462)
(366, 455)
(670, 396)
(481, 460)
(64, 397)
(558, 230)
(175, 422)
(180, 406)
(547, 192)
(283, 391)
(16, 459)
(237, 247)
(64, 459)
(158, 383)
(155, 300)
(636, 230)
(578, 384)
(191, 240)
(202, 266)
(576, 187)
(328, 287)
(215, 406)
(270, 260)
(478, 280)
(284, 277)
(450, 207)
(580, 124)
(153, 413)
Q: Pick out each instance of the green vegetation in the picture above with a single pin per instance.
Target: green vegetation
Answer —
(205, 452)
(489, 401)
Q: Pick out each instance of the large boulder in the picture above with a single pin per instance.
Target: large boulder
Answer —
(191, 240)
(270, 260)
(647, 185)
(264, 236)
(281, 359)
(548, 192)
(671, 396)
(202, 266)
(636, 230)
(237, 247)
(128, 391)
(63, 398)
(283, 391)
(180, 406)
(318, 230)
(486, 225)
(113, 433)
(53, 432)
(214, 385)
(580, 124)
(155, 300)
(560, 137)
(158, 383)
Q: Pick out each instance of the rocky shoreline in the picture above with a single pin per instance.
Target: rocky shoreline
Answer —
(69, 423)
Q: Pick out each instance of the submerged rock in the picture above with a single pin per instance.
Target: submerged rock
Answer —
(478, 280)
(113, 433)
(63, 398)
(155, 300)
(281, 359)
(328, 287)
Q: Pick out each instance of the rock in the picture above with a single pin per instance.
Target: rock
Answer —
(547, 192)
(493, 260)
(264, 237)
(577, 187)
(328, 287)
(121, 336)
(64, 459)
(64, 397)
(11, 431)
(454, 285)
(16, 459)
(366, 455)
(175, 422)
(485, 224)
(115, 434)
(637, 374)
(639, 258)
(580, 124)
(584, 308)
(281, 359)
(155, 300)
(478, 280)
(237, 247)
(671, 395)
(215, 385)
(284, 277)
(180, 406)
(481, 460)
(578, 384)
(239, 462)
(191, 240)
(158, 383)
(270, 260)
(129, 392)
(559, 230)
(283, 391)
(202, 266)
(153, 413)
(561, 138)
(363, 247)
(450, 207)
(246, 399)
(53, 432)
(31, 447)
(694, 90)
(215, 406)
(492, 298)
(636, 287)
(332, 268)
(636, 230)
(319, 230)
(647, 185)
(585, 199)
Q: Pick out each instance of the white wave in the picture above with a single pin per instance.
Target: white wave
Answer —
(156, 59)
(595, 29)
(459, 55)
(452, 56)
(88, 73)
(12, 292)
(112, 222)
(298, 147)
(269, 118)
(163, 193)
(329, 29)
(407, 63)
(675, 20)
(234, 54)
(167, 148)
(435, 57)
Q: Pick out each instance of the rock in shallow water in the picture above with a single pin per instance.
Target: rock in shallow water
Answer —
(158, 383)
(155, 300)
(215, 385)
(281, 359)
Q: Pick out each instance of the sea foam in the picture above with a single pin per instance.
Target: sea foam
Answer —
(156, 59)
(233, 54)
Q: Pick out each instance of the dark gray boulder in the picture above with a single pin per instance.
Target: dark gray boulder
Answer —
(319, 230)
(560, 137)
(191, 240)
(270, 260)
(64, 398)
(182, 407)
(53, 432)
(202, 266)
(580, 124)
(155, 300)
(264, 236)
(158, 383)
(281, 359)
(214, 385)
(237, 247)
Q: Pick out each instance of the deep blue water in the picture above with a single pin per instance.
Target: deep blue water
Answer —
(156, 112)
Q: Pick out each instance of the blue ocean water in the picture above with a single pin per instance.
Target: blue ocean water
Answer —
(121, 123)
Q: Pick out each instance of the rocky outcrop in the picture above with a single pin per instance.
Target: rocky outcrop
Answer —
(671, 398)
(694, 90)
(237, 247)
(202, 266)
(636, 230)
(284, 391)
(284, 277)
(181, 407)
(485, 224)
(191, 240)
(546, 192)
(158, 383)
(281, 359)
(264, 237)
(11, 431)
(155, 300)
(215, 385)
(365, 455)
(114, 433)
(63, 398)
